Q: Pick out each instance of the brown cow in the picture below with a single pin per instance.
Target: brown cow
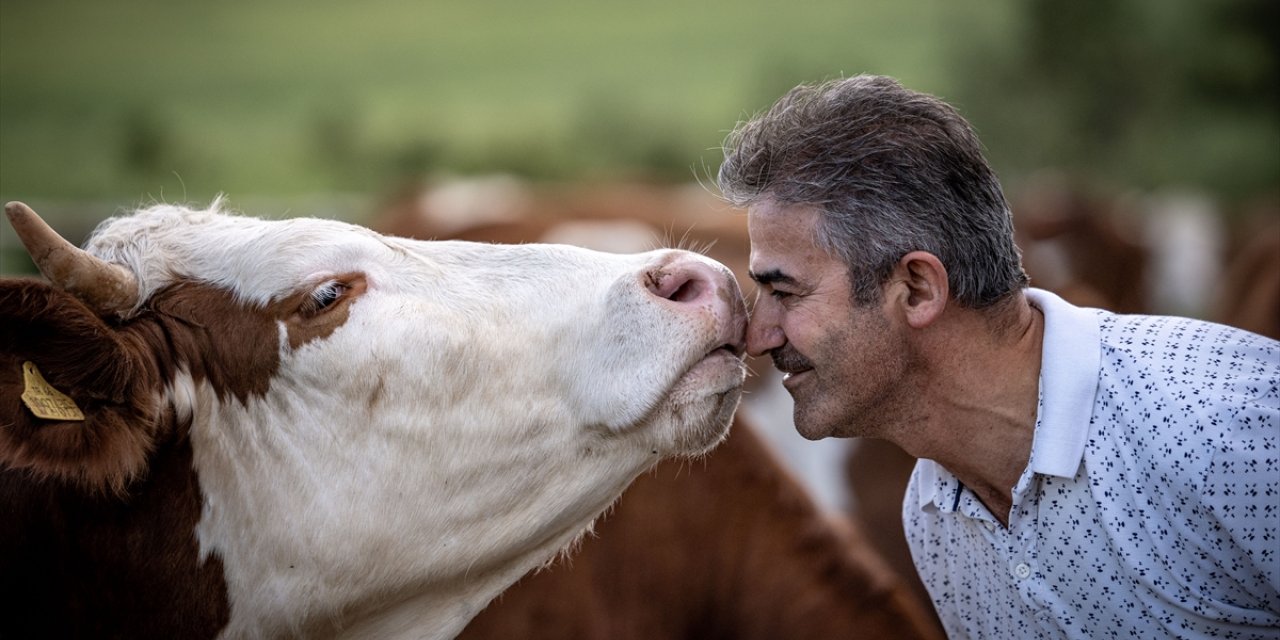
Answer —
(729, 547)
(1250, 294)
(1075, 244)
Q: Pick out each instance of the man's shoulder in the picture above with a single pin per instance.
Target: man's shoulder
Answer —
(1171, 330)
(1171, 390)
(1181, 352)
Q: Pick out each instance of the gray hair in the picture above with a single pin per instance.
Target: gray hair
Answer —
(892, 171)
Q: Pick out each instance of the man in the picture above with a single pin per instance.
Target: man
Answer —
(1080, 474)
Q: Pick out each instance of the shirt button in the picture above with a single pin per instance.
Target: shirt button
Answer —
(1022, 571)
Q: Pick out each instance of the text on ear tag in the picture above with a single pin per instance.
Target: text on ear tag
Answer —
(45, 401)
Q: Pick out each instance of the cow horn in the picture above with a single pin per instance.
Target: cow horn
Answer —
(106, 287)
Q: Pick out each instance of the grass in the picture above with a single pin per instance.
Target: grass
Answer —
(139, 99)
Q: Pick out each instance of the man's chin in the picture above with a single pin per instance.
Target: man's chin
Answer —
(812, 429)
(808, 422)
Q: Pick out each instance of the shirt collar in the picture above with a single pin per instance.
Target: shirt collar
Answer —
(1071, 356)
(1069, 366)
(927, 481)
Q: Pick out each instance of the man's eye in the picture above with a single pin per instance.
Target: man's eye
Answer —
(780, 295)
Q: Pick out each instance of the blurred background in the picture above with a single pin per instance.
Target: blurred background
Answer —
(292, 103)
(1138, 140)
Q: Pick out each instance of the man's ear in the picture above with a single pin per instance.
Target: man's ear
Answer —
(926, 289)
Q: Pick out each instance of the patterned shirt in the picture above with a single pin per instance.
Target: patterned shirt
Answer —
(1150, 506)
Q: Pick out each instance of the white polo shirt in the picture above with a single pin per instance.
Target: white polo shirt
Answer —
(1150, 507)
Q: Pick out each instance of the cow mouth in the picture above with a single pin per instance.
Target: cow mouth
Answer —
(733, 333)
(726, 351)
(717, 366)
(732, 346)
(735, 350)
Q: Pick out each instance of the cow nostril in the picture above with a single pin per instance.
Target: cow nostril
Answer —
(676, 286)
(688, 290)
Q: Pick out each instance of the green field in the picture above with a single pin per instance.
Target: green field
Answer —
(135, 100)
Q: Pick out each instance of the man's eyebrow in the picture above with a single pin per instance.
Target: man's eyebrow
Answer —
(772, 276)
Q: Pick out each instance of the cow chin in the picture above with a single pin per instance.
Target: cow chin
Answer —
(700, 406)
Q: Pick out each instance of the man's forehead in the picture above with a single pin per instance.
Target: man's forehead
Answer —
(783, 246)
(771, 210)
(788, 225)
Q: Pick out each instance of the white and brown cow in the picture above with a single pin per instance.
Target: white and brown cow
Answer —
(730, 547)
(304, 428)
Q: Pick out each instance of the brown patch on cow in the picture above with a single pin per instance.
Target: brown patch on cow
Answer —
(92, 565)
(85, 358)
(116, 371)
(232, 346)
(878, 472)
(375, 398)
(727, 547)
(1249, 297)
(98, 538)
(306, 320)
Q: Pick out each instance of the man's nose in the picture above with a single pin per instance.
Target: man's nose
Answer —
(764, 334)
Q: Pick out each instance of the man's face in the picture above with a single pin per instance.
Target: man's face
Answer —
(842, 362)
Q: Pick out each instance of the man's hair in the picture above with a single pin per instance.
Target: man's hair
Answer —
(892, 171)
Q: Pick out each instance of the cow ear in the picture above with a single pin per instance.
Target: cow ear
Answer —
(87, 360)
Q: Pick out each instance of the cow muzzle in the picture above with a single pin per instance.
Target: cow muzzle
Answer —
(691, 284)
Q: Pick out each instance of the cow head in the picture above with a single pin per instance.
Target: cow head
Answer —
(384, 432)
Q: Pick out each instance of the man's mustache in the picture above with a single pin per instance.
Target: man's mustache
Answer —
(788, 360)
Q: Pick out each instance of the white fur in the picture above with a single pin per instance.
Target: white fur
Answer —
(518, 389)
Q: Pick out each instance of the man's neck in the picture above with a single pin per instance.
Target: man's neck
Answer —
(982, 394)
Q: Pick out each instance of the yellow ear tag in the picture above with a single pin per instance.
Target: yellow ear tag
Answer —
(45, 401)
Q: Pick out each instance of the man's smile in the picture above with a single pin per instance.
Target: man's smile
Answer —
(789, 361)
(791, 379)
(793, 365)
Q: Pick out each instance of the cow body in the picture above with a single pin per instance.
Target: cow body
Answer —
(301, 427)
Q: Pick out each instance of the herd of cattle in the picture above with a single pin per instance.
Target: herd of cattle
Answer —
(252, 458)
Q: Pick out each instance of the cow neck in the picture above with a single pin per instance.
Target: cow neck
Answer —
(83, 560)
(96, 564)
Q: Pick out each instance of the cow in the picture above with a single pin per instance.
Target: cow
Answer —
(213, 425)
(1249, 295)
(732, 547)
(1081, 245)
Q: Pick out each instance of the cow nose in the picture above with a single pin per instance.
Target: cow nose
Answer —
(685, 280)
(690, 282)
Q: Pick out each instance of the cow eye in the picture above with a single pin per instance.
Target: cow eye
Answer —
(323, 297)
